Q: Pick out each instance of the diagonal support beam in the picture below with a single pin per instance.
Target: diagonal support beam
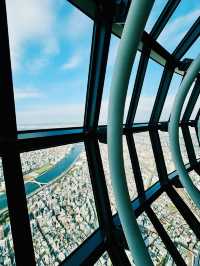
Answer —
(188, 40)
(164, 18)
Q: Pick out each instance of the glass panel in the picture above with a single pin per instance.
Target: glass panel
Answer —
(128, 169)
(189, 202)
(50, 54)
(184, 16)
(156, 248)
(164, 138)
(60, 201)
(146, 159)
(178, 230)
(131, 84)
(155, 13)
(104, 260)
(194, 50)
(7, 256)
(149, 90)
(175, 83)
(114, 44)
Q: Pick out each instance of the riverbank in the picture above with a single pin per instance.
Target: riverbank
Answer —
(54, 173)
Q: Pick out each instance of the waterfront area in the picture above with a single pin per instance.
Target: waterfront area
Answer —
(62, 212)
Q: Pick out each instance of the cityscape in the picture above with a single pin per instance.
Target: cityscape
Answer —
(62, 209)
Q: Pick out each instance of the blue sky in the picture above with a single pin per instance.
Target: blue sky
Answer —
(50, 45)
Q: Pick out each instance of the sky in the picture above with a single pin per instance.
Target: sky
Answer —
(50, 43)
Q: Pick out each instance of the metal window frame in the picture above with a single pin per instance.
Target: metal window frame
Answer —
(107, 20)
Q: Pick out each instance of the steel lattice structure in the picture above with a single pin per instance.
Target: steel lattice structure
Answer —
(108, 17)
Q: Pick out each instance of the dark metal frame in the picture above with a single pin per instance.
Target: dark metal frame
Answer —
(12, 142)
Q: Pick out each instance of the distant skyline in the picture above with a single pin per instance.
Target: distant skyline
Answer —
(50, 44)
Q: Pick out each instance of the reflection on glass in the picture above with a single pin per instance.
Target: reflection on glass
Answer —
(178, 230)
(146, 159)
(128, 170)
(50, 54)
(7, 256)
(60, 201)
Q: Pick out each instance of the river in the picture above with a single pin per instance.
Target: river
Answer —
(62, 166)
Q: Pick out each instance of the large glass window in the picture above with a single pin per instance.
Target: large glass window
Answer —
(50, 49)
(60, 201)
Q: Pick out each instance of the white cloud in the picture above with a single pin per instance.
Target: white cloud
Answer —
(51, 115)
(51, 47)
(28, 93)
(37, 64)
(77, 25)
(72, 114)
(73, 62)
(177, 28)
(31, 20)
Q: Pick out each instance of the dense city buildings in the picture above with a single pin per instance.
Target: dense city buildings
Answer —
(62, 211)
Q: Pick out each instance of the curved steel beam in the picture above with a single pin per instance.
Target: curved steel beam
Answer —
(133, 29)
(174, 130)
